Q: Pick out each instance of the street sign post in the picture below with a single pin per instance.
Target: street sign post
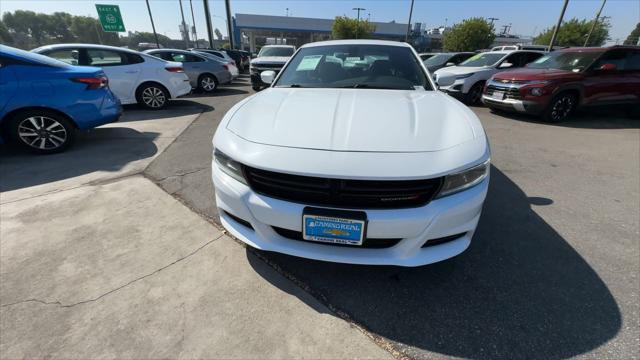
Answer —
(110, 18)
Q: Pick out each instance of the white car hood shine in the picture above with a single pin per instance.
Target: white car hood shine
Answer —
(461, 70)
(363, 120)
(270, 60)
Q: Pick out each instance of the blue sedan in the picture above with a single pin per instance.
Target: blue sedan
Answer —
(43, 101)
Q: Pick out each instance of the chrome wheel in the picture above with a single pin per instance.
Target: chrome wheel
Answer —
(153, 97)
(561, 108)
(208, 84)
(42, 133)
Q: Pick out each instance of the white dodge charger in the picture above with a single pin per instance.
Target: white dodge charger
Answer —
(353, 156)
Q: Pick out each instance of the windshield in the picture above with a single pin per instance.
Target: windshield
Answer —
(437, 60)
(32, 57)
(354, 66)
(276, 51)
(482, 59)
(565, 60)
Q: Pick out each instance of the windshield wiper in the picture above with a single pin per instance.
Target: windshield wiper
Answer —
(370, 86)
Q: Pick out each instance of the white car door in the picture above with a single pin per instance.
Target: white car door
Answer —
(122, 70)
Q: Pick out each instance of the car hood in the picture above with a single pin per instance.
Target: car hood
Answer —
(536, 74)
(270, 60)
(364, 120)
(461, 70)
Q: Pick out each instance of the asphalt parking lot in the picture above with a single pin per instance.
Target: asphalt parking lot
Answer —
(552, 271)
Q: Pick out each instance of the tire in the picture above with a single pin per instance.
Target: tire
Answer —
(474, 95)
(41, 131)
(560, 107)
(256, 88)
(207, 83)
(152, 96)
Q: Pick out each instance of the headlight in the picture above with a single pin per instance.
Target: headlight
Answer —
(464, 76)
(463, 180)
(229, 166)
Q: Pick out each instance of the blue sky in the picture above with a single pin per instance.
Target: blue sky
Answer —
(526, 16)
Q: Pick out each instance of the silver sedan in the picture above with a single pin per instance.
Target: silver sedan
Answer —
(204, 72)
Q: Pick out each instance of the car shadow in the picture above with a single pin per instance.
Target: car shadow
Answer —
(177, 107)
(593, 118)
(221, 91)
(519, 290)
(101, 149)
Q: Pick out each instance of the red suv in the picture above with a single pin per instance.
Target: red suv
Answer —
(556, 84)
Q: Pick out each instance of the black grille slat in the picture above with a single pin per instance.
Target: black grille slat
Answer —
(341, 193)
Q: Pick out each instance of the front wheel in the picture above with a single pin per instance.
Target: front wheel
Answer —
(41, 131)
(474, 94)
(560, 108)
(152, 96)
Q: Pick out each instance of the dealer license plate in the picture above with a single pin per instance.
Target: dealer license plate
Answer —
(498, 95)
(334, 226)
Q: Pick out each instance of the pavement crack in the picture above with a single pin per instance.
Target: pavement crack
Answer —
(60, 304)
(182, 174)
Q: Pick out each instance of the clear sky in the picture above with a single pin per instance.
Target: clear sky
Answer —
(527, 17)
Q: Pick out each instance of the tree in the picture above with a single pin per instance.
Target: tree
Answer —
(632, 39)
(574, 32)
(347, 28)
(5, 35)
(469, 35)
(134, 38)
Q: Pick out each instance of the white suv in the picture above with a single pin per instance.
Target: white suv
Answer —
(473, 73)
(134, 77)
(351, 155)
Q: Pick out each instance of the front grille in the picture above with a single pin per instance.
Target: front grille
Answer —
(268, 66)
(339, 193)
(366, 243)
(509, 92)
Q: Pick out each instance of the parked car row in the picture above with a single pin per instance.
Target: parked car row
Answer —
(53, 90)
(550, 85)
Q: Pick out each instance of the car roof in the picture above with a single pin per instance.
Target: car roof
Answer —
(87, 46)
(282, 46)
(166, 49)
(356, 42)
(595, 49)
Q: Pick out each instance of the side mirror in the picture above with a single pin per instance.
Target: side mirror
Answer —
(268, 76)
(505, 65)
(445, 79)
(449, 64)
(608, 67)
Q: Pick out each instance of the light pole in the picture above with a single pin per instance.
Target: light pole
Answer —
(586, 41)
(193, 19)
(555, 31)
(207, 16)
(153, 26)
(185, 31)
(229, 24)
(406, 36)
(358, 9)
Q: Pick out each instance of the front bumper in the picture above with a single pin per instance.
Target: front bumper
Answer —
(451, 215)
(523, 106)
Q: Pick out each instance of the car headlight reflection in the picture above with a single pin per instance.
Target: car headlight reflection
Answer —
(229, 166)
(463, 180)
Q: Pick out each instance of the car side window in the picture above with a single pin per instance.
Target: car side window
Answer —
(164, 55)
(615, 57)
(69, 56)
(100, 57)
(633, 60)
(531, 57)
(193, 58)
(514, 59)
(134, 59)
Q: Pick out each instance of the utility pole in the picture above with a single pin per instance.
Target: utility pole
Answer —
(287, 9)
(555, 31)
(492, 19)
(358, 9)
(595, 21)
(185, 30)
(207, 16)
(193, 19)
(229, 24)
(153, 26)
(406, 36)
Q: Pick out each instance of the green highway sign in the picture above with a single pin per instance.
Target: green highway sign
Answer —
(110, 18)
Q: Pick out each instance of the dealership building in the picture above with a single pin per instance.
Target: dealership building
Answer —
(252, 31)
